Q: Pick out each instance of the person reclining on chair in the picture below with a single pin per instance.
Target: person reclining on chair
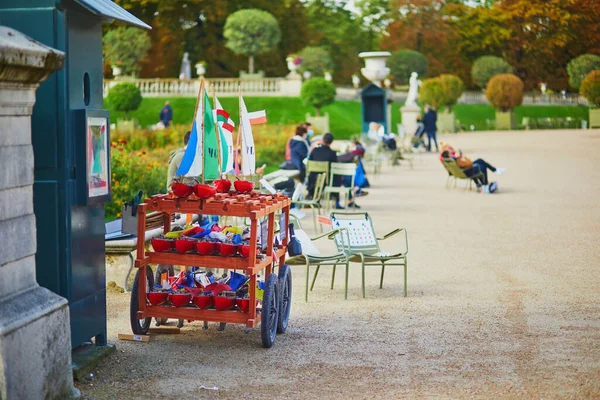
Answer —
(471, 168)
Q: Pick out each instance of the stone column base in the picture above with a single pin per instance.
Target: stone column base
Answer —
(409, 119)
(34, 340)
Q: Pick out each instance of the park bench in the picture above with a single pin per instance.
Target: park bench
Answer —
(455, 173)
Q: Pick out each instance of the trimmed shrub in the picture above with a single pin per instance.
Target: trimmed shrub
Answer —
(316, 60)
(590, 88)
(486, 67)
(453, 87)
(432, 93)
(251, 32)
(578, 68)
(317, 92)
(404, 62)
(124, 97)
(505, 92)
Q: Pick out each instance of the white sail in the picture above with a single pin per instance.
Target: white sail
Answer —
(247, 147)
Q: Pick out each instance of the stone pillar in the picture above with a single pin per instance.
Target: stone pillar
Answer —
(409, 119)
(35, 338)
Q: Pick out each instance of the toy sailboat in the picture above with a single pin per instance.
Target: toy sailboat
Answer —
(210, 150)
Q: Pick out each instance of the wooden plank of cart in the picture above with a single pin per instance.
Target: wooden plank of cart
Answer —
(274, 314)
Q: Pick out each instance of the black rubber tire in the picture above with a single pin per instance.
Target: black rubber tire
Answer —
(285, 297)
(139, 327)
(159, 270)
(270, 311)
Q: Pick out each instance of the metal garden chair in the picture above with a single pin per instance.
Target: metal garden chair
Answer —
(313, 257)
(315, 202)
(362, 246)
(456, 173)
(340, 169)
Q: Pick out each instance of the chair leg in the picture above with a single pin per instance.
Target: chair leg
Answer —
(363, 279)
(319, 213)
(405, 276)
(315, 277)
(333, 275)
(312, 208)
(346, 285)
(382, 272)
(307, 273)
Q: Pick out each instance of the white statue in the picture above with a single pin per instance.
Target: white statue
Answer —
(413, 89)
(186, 69)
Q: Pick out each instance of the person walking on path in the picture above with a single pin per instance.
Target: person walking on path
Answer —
(429, 122)
(166, 114)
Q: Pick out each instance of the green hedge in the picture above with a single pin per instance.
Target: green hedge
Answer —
(344, 115)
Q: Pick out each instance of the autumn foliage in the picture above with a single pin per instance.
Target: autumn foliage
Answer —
(590, 88)
(505, 92)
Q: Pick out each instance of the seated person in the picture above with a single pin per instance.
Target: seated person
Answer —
(299, 149)
(355, 154)
(324, 152)
(471, 168)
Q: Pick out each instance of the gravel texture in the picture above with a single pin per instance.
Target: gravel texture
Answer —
(503, 296)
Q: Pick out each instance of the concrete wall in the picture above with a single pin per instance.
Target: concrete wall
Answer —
(35, 341)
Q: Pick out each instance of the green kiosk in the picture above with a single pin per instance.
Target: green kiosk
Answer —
(71, 144)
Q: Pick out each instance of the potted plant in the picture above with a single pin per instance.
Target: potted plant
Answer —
(318, 92)
(293, 62)
(590, 89)
(505, 92)
(200, 68)
(452, 87)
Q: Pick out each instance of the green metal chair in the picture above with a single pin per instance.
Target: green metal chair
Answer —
(315, 202)
(339, 169)
(362, 245)
(308, 259)
(456, 173)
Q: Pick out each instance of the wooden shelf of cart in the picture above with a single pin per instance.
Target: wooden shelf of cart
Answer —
(254, 206)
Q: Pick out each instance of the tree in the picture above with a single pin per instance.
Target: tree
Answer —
(404, 62)
(316, 59)
(505, 92)
(452, 87)
(590, 88)
(251, 32)
(126, 47)
(547, 34)
(432, 93)
(580, 67)
(317, 92)
(486, 67)
(124, 97)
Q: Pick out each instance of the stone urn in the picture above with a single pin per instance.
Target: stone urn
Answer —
(328, 76)
(116, 70)
(375, 69)
(200, 69)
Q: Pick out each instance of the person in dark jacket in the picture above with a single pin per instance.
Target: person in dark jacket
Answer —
(429, 122)
(166, 114)
(323, 152)
(299, 149)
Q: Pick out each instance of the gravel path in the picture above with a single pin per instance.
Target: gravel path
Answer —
(503, 298)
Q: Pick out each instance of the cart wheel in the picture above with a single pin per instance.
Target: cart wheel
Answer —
(285, 302)
(270, 311)
(160, 269)
(139, 326)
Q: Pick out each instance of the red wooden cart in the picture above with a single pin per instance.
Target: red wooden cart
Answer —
(272, 315)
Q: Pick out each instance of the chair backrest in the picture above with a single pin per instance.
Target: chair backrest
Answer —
(317, 166)
(319, 185)
(360, 235)
(453, 168)
(342, 169)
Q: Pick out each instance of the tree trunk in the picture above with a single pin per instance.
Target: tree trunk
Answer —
(127, 115)
(318, 111)
(251, 64)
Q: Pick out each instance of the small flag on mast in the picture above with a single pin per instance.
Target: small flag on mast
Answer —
(257, 117)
